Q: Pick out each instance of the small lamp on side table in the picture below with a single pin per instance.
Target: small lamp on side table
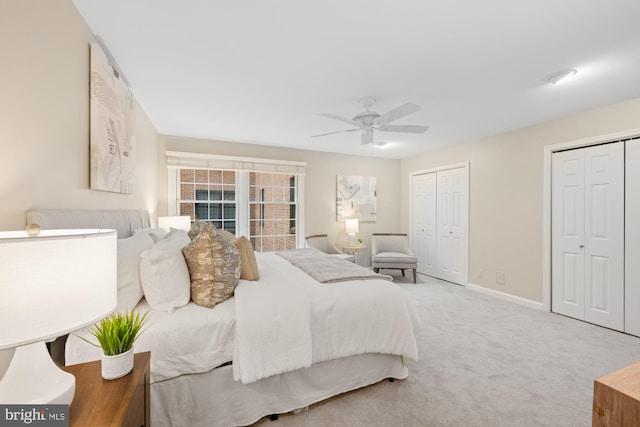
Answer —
(351, 227)
(51, 283)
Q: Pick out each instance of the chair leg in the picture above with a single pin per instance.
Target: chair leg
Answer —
(402, 272)
(414, 275)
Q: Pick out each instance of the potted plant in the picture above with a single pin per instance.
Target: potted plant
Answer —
(116, 334)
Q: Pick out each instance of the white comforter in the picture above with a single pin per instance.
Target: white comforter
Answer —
(282, 322)
(288, 321)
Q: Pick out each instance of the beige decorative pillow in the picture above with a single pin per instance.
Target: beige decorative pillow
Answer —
(197, 227)
(214, 267)
(248, 263)
(227, 235)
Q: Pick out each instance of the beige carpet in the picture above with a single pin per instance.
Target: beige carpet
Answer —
(483, 362)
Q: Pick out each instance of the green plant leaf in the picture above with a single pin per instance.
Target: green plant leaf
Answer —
(118, 332)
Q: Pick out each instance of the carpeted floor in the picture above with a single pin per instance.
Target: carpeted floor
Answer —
(483, 362)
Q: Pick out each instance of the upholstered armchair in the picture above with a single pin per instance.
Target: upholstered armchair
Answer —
(392, 251)
(322, 243)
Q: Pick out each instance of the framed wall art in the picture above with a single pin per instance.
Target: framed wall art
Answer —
(112, 126)
(356, 197)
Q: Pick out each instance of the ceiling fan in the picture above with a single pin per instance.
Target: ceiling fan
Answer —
(368, 120)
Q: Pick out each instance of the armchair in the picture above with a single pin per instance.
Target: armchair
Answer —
(392, 251)
(322, 243)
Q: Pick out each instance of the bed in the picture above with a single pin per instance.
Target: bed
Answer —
(280, 344)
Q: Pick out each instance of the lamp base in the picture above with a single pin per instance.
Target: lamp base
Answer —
(33, 378)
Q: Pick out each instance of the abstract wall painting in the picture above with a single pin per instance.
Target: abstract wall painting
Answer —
(112, 124)
(356, 197)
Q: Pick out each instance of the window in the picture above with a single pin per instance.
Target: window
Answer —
(272, 203)
(209, 195)
(260, 199)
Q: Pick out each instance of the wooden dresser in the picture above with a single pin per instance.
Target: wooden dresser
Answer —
(616, 398)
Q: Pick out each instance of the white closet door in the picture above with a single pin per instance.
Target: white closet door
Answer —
(424, 222)
(632, 239)
(452, 224)
(567, 231)
(604, 235)
(588, 234)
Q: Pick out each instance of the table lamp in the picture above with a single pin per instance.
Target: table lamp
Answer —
(51, 284)
(179, 222)
(351, 226)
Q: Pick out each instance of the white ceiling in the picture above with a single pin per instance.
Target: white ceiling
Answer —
(262, 71)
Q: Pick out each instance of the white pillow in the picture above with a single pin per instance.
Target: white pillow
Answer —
(156, 234)
(164, 272)
(129, 286)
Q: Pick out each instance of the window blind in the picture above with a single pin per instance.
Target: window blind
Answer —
(177, 160)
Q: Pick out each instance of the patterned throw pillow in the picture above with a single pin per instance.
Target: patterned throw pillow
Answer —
(214, 267)
(196, 228)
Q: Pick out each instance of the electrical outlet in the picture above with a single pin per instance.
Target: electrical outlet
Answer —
(481, 274)
(500, 280)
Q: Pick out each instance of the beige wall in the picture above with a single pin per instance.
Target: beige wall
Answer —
(320, 182)
(506, 192)
(44, 116)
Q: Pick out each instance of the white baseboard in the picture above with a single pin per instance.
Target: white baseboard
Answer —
(508, 297)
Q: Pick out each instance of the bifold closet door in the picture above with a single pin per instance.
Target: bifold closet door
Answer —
(588, 234)
(451, 190)
(632, 238)
(424, 222)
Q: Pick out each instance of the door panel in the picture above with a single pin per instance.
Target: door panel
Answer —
(424, 220)
(632, 238)
(604, 230)
(567, 228)
(588, 234)
(440, 217)
(452, 224)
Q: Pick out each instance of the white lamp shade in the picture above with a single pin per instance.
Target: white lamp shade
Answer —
(55, 283)
(351, 226)
(178, 222)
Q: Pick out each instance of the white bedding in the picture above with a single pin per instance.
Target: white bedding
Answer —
(192, 339)
(320, 321)
(271, 322)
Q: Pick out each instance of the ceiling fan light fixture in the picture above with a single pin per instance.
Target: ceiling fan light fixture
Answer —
(561, 76)
(369, 121)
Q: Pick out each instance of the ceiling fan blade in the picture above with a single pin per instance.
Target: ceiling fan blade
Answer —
(333, 133)
(367, 138)
(397, 113)
(342, 119)
(403, 128)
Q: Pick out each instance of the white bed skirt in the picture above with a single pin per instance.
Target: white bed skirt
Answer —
(214, 399)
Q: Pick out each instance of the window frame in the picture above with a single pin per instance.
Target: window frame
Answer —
(242, 167)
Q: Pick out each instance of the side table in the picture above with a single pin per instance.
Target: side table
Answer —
(121, 402)
(354, 250)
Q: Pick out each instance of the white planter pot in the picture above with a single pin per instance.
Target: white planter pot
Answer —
(117, 366)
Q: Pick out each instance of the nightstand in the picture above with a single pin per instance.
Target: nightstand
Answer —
(121, 402)
(353, 250)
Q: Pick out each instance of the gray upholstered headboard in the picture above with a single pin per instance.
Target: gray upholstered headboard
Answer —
(125, 222)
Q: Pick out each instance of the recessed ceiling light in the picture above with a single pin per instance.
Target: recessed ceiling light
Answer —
(560, 76)
(381, 143)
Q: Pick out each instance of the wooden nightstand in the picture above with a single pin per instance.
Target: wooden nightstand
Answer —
(121, 402)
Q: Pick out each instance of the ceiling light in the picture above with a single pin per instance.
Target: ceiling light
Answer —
(560, 76)
(381, 144)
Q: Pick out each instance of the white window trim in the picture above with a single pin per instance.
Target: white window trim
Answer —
(177, 160)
